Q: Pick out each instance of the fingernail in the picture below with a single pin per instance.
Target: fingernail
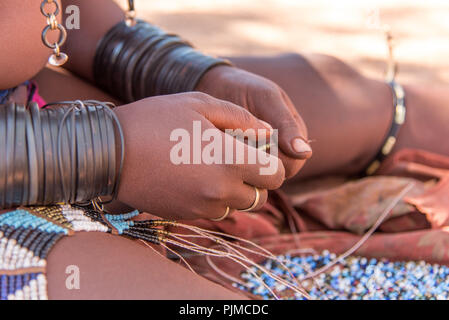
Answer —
(300, 146)
(267, 125)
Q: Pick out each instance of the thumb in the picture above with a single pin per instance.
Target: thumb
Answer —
(292, 130)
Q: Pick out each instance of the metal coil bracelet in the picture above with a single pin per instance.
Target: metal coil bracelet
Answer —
(137, 60)
(63, 153)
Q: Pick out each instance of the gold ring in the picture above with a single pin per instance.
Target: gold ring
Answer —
(255, 203)
(224, 216)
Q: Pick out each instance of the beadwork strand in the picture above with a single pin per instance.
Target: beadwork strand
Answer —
(180, 257)
(208, 254)
(238, 255)
(241, 258)
(212, 252)
(265, 253)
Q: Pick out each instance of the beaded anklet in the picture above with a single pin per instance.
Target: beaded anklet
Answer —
(399, 109)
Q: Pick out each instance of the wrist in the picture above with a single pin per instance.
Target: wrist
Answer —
(209, 80)
(157, 64)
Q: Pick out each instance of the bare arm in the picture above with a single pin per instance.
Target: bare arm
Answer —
(96, 18)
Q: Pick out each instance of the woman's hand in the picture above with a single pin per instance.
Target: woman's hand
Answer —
(152, 182)
(267, 101)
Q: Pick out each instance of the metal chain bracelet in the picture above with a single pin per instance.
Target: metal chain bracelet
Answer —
(58, 58)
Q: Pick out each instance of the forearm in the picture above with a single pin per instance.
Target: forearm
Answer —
(96, 18)
(132, 62)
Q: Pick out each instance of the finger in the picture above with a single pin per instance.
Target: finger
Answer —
(226, 115)
(256, 167)
(291, 165)
(244, 196)
(292, 131)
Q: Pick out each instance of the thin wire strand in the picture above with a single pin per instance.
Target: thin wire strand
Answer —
(227, 256)
(224, 274)
(312, 275)
(180, 257)
(365, 237)
(268, 254)
(247, 260)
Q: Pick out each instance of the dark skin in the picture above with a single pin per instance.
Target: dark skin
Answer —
(142, 123)
(258, 95)
(320, 79)
(335, 101)
(262, 97)
(147, 125)
(348, 114)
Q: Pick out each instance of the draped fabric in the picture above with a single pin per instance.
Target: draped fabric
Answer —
(333, 214)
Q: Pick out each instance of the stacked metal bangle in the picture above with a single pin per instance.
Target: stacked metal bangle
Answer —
(65, 153)
(141, 60)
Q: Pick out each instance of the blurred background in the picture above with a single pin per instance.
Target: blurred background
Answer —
(348, 29)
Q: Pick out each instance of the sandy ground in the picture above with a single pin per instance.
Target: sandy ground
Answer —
(348, 29)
